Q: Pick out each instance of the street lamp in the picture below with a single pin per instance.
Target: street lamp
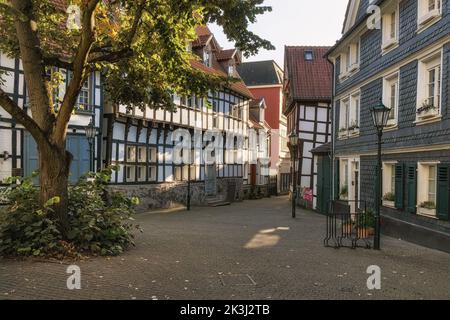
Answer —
(380, 117)
(293, 147)
(90, 132)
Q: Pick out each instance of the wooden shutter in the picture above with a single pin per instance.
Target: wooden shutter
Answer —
(336, 180)
(411, 188)
(443, 191)
(399, 186)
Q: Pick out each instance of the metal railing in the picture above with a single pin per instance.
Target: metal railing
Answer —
(349, 229)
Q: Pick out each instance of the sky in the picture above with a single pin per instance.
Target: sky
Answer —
(294, 22)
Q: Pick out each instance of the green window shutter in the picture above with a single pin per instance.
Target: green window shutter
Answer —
(443, 191)
(411, 188)
(336, 180)
(399, 186)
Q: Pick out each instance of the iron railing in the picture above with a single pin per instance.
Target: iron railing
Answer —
(347, 229)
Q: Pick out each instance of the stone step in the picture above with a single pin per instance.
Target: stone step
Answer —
(218, 203)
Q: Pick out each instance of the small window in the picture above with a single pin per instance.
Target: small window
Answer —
(131, 172)
(142, 154)
(231, 70)
(131, 154)
(141, 174)
(429, 87)
(391, 97)
(309, 56)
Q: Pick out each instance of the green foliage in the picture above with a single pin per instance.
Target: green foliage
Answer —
(26, 229)
(344, 191)
(389, 196)
(100, 224)
(368, 219)
(428, 205)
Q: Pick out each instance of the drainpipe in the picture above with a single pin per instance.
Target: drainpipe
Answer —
(333, 130)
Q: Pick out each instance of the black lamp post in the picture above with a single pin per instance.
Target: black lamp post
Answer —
(380, 117)
(90, 132)
(293, 147)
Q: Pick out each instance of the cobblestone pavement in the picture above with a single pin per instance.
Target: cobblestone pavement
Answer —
(250, 250)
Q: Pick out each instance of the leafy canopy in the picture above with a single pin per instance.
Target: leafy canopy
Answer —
(140, 46)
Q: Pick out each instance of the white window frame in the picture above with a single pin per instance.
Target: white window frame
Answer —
(388, 41)
(423, 187)
(388, 82)
(432, 61)
(354, 112)
(389, 181)
(427, 17)
(344, 117)
(350, 60)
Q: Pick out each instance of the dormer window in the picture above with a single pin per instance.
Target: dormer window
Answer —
(309, 56)
(231, 70)
(207, 57)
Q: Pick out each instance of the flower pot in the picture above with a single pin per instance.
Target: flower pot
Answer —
(364, 233)
(347, 229)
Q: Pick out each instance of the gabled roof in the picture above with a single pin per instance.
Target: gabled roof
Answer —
(219, 56)
(308, 79)
(261, 73)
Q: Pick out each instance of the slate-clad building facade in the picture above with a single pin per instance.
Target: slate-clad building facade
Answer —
(404, 62)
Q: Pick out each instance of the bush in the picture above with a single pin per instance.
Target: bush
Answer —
(100, 223)
(389, 196)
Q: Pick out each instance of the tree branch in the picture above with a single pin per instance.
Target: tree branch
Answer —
(79, 73)
(57, 62)
(20, 116)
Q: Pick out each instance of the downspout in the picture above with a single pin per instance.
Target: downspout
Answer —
(333, 130)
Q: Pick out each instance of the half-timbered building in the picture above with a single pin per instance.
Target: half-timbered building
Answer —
(141, 142)
(307, 106)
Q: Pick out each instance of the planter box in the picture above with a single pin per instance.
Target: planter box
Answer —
(428, 114)
(427, 212)
(390, 204)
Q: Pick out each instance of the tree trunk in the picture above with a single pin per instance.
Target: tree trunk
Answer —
(54, 166)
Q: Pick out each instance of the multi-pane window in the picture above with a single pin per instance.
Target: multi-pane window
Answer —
(390, 29)
(391, 96)
(434, 86)
(429, 87)
(432, 184)
(392, 176)
(429, 11)
(83, 97)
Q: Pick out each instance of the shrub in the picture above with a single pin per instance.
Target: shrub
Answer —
(428, 205)
(368, 219)
(100, 223)
(389, 196)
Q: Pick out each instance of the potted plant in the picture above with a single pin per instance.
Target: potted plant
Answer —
(354, 128)
(344, 192)
(347, 228)
(389, 199)
(366, 224)
(428, 208)
(427, 110)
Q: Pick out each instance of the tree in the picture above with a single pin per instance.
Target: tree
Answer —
(139, 46)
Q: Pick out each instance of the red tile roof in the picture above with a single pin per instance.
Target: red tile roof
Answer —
(308, 80)
(238, 86)
(225, 54)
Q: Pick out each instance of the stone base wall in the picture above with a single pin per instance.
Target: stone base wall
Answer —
(255, 192)
(171, 195)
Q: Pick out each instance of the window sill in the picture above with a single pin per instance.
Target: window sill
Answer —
(391, 127)
(422, 121)
(429, 213)
(388, 46)
(389, 204)
(428, 20)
